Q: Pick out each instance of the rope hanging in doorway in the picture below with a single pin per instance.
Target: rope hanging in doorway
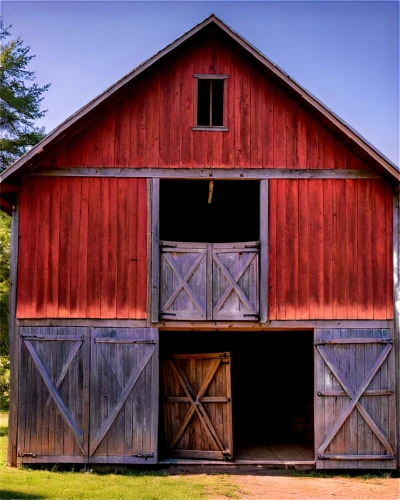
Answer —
(210, 190)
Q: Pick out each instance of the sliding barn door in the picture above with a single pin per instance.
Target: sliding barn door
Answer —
(53, 411)
(183, 283)
(197, 406)
(123, 395)
(355, 407)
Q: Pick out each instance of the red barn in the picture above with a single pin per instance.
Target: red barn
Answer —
(205, 266)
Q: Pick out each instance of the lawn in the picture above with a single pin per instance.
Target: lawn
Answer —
(25, 482)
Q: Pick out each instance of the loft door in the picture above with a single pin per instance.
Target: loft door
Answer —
(209, 281)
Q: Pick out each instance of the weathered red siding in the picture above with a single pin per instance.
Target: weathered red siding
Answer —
(82, 248)
(151, 123)
(330, 250)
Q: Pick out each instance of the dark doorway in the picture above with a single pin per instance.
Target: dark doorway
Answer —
(272, 389)
(233, 214)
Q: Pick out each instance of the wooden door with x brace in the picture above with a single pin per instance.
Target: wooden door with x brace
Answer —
(355, 405)
(197, 405)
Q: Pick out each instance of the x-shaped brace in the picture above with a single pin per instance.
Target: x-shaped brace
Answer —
(183, 283)
(233, 283)
(354, 399)
(54, 394)
(195, 405)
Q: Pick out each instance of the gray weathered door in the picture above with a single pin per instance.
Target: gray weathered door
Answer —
(53, 410)
(197, 405)
(355, 407)
(183, 283)
(235, 281)
(209, 281)
(124, 395)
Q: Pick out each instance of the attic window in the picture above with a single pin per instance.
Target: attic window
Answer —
(210, 113)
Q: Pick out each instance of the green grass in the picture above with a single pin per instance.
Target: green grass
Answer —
(25, 482)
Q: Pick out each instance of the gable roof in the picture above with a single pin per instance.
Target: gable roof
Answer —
(339, 127)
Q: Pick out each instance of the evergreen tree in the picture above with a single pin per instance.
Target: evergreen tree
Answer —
(20, 100)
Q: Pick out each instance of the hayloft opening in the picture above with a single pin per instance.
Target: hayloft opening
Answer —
(272, 392)
(217, 212)
(210, 102)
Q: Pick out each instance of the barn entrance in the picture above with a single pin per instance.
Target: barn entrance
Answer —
(212, 248)
(272, 380)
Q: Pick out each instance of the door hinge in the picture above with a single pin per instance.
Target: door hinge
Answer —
(143, 455)
(255, 316)
(167, 314)
(227, 456)
(33, 455)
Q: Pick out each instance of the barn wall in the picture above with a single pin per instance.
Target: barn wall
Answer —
(82, 248)
(151, 123)
(330, 250)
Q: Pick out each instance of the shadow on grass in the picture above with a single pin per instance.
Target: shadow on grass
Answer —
(3, 430)
(6, 494)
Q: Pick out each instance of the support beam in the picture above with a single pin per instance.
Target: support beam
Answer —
(200, 173)
(13, 342)
(396, 299)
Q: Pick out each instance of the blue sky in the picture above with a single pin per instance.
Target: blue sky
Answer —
(346, 53)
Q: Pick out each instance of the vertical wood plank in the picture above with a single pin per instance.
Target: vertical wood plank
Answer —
(228, 144)
(312, 143)
(64, 291)
(316, 238)
(364, 235)
(165, 111)
(292, 242)
(122, 238)
(155, 250)
(303, 310)
(13, 336)
(42, 275)
(351, 248)
(142, 250)
(132, 246)
(153, 119)
(281, 250)
(279, 128)
(272, 248)
(33, 231)
(94, 250)
(108, 134)
(268, 125)
(378, 249)
(122, 132)
(53, 259)
(75, 209)
(340, 291)
(328, 276)
(82, 277)
(395, 228)
(264, 233)
(175, 111)
(256, 117)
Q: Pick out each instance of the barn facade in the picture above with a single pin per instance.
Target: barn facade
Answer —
(205, 267)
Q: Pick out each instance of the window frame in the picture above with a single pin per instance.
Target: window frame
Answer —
(210, 128)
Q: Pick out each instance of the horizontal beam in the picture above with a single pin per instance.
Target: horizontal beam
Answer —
(95, 323)
(201, 173)
(270, 325)
(208, 325)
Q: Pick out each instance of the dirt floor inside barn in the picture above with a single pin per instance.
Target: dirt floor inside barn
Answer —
(255, 483)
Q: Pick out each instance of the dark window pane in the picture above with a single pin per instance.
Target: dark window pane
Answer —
(203, 103)
(217, 103)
